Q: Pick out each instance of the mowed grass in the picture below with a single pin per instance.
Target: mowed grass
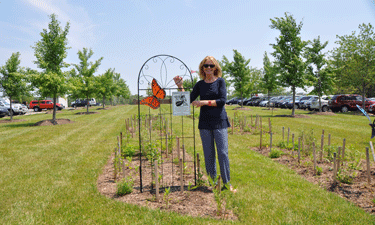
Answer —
(48, 174)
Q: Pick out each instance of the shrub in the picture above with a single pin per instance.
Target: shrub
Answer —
(276, 153)
(129, 150)
(124, 187)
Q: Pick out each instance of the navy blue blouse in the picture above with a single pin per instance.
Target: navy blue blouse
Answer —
(211, 117)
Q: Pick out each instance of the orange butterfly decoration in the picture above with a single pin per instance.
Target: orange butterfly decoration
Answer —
(157, 92)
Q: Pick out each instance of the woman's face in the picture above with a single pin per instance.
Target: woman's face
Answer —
(209, 70)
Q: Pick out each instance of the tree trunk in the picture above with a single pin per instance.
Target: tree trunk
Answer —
(54, 109)
(11, 108)
(87, 104)
(363, 99)
(294, 98)
(269, 98)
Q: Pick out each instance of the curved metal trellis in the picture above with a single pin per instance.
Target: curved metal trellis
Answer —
(158, 67)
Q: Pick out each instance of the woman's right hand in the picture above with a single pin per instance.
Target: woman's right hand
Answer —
(178, 80)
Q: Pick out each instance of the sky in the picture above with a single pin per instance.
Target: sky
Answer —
(126, 33)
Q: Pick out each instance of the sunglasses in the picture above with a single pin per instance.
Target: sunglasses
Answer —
(208, 65)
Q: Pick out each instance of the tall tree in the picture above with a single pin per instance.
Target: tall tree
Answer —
(105, 85)
(318, 74)
(50, 53)
(288, 53)
(239, 71)
(122, 89)
(13, 80)
(269, 79)
(354, 59)
(85, 74)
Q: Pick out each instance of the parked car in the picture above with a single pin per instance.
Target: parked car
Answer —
(79, 103)
(232, 101)
(307, 103)
(3, 111)
(315, 104)
(303, 103)
(240, 101)
(289, 104)
(252, 100)
(16, 107)
(38, 105)
(345, 103)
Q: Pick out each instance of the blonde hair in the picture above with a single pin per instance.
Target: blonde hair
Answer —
(217, 72)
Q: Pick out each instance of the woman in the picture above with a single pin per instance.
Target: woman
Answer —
(213, 119)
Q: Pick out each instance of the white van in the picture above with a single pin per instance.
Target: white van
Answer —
(92, 101)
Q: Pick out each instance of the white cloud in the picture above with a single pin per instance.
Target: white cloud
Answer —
(81, 32)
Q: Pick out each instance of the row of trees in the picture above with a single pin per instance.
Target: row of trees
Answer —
(53, 80)
(348, 68)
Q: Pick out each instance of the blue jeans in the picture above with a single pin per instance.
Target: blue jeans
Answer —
(209, 138)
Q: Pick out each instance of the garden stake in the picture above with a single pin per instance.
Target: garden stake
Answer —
(293, 143)
(299, 150)
(178, 148)
(334, 168)
(321, 147)
(329, 139)
(181, 176)
(244, 122)
(343, 150)
(121, 139)
(260, 146)
(251, 119)
(232, 126)
(338, 158)
(372, 149)
(199, 164)
(314, 155)
(114, 165)
(123, 168)
(287, 143)
(270, 141)
(156, 180)
(323, 132)
(368, 166)
(261, 124)
(183, 153)
(166, 143)
(119, 147)
(269, 124)
(283, 133)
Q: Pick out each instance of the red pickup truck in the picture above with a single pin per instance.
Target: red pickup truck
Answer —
(38, 105)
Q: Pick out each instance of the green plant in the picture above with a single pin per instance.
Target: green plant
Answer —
(319, 170)
(344, 177)
(128, 150)
(125, 186)
(151, 152)
(275, 153)
(166, 198)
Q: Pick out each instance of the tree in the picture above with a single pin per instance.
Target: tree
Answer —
(254, 86)
(50, 53)
(354, 59)
(105, 85)
(320, 77)
(269, 79)
(13, 80)
(85, 74)
(239, 71)
(122, 89)
(288, 51)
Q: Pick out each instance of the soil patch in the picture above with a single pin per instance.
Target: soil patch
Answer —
(323, 113)
(86, 113)
(49, 122)
(11, 121)
(243, 108)
(198, 202)
(295, 116)
(359, 192)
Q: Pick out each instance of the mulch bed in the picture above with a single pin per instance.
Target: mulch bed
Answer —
(295, 116)
(197, 203)
(359, 192)
(11, 121)
(50, 123)
(86, 113)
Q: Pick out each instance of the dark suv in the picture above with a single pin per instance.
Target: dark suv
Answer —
(345, 103)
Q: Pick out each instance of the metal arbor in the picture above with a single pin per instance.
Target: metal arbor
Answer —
(156, 127)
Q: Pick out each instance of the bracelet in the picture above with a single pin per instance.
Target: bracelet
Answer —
(209, 103)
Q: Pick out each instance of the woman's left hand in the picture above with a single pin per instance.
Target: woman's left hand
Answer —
(197, 103)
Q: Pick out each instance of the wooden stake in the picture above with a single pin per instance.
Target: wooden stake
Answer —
(338, 158)
(166, 144)
(270, 141)
(329, 139)
(321, 147)
(343, 149)
(334, 167)
(260, 145)
(121, 139)
(183, 153)
(269, 124)
(156, 180)
(368, 166)
(299, 150)
(314, 155)
(199, 164)
(372, 150)
(283, 133)
(115, 167)
(293, 143)
(181, 176)
(287, 143)
(261, 124)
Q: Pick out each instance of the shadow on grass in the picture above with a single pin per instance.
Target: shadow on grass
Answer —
(14, 125)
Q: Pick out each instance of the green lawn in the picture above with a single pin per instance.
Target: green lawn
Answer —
(48, 174)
